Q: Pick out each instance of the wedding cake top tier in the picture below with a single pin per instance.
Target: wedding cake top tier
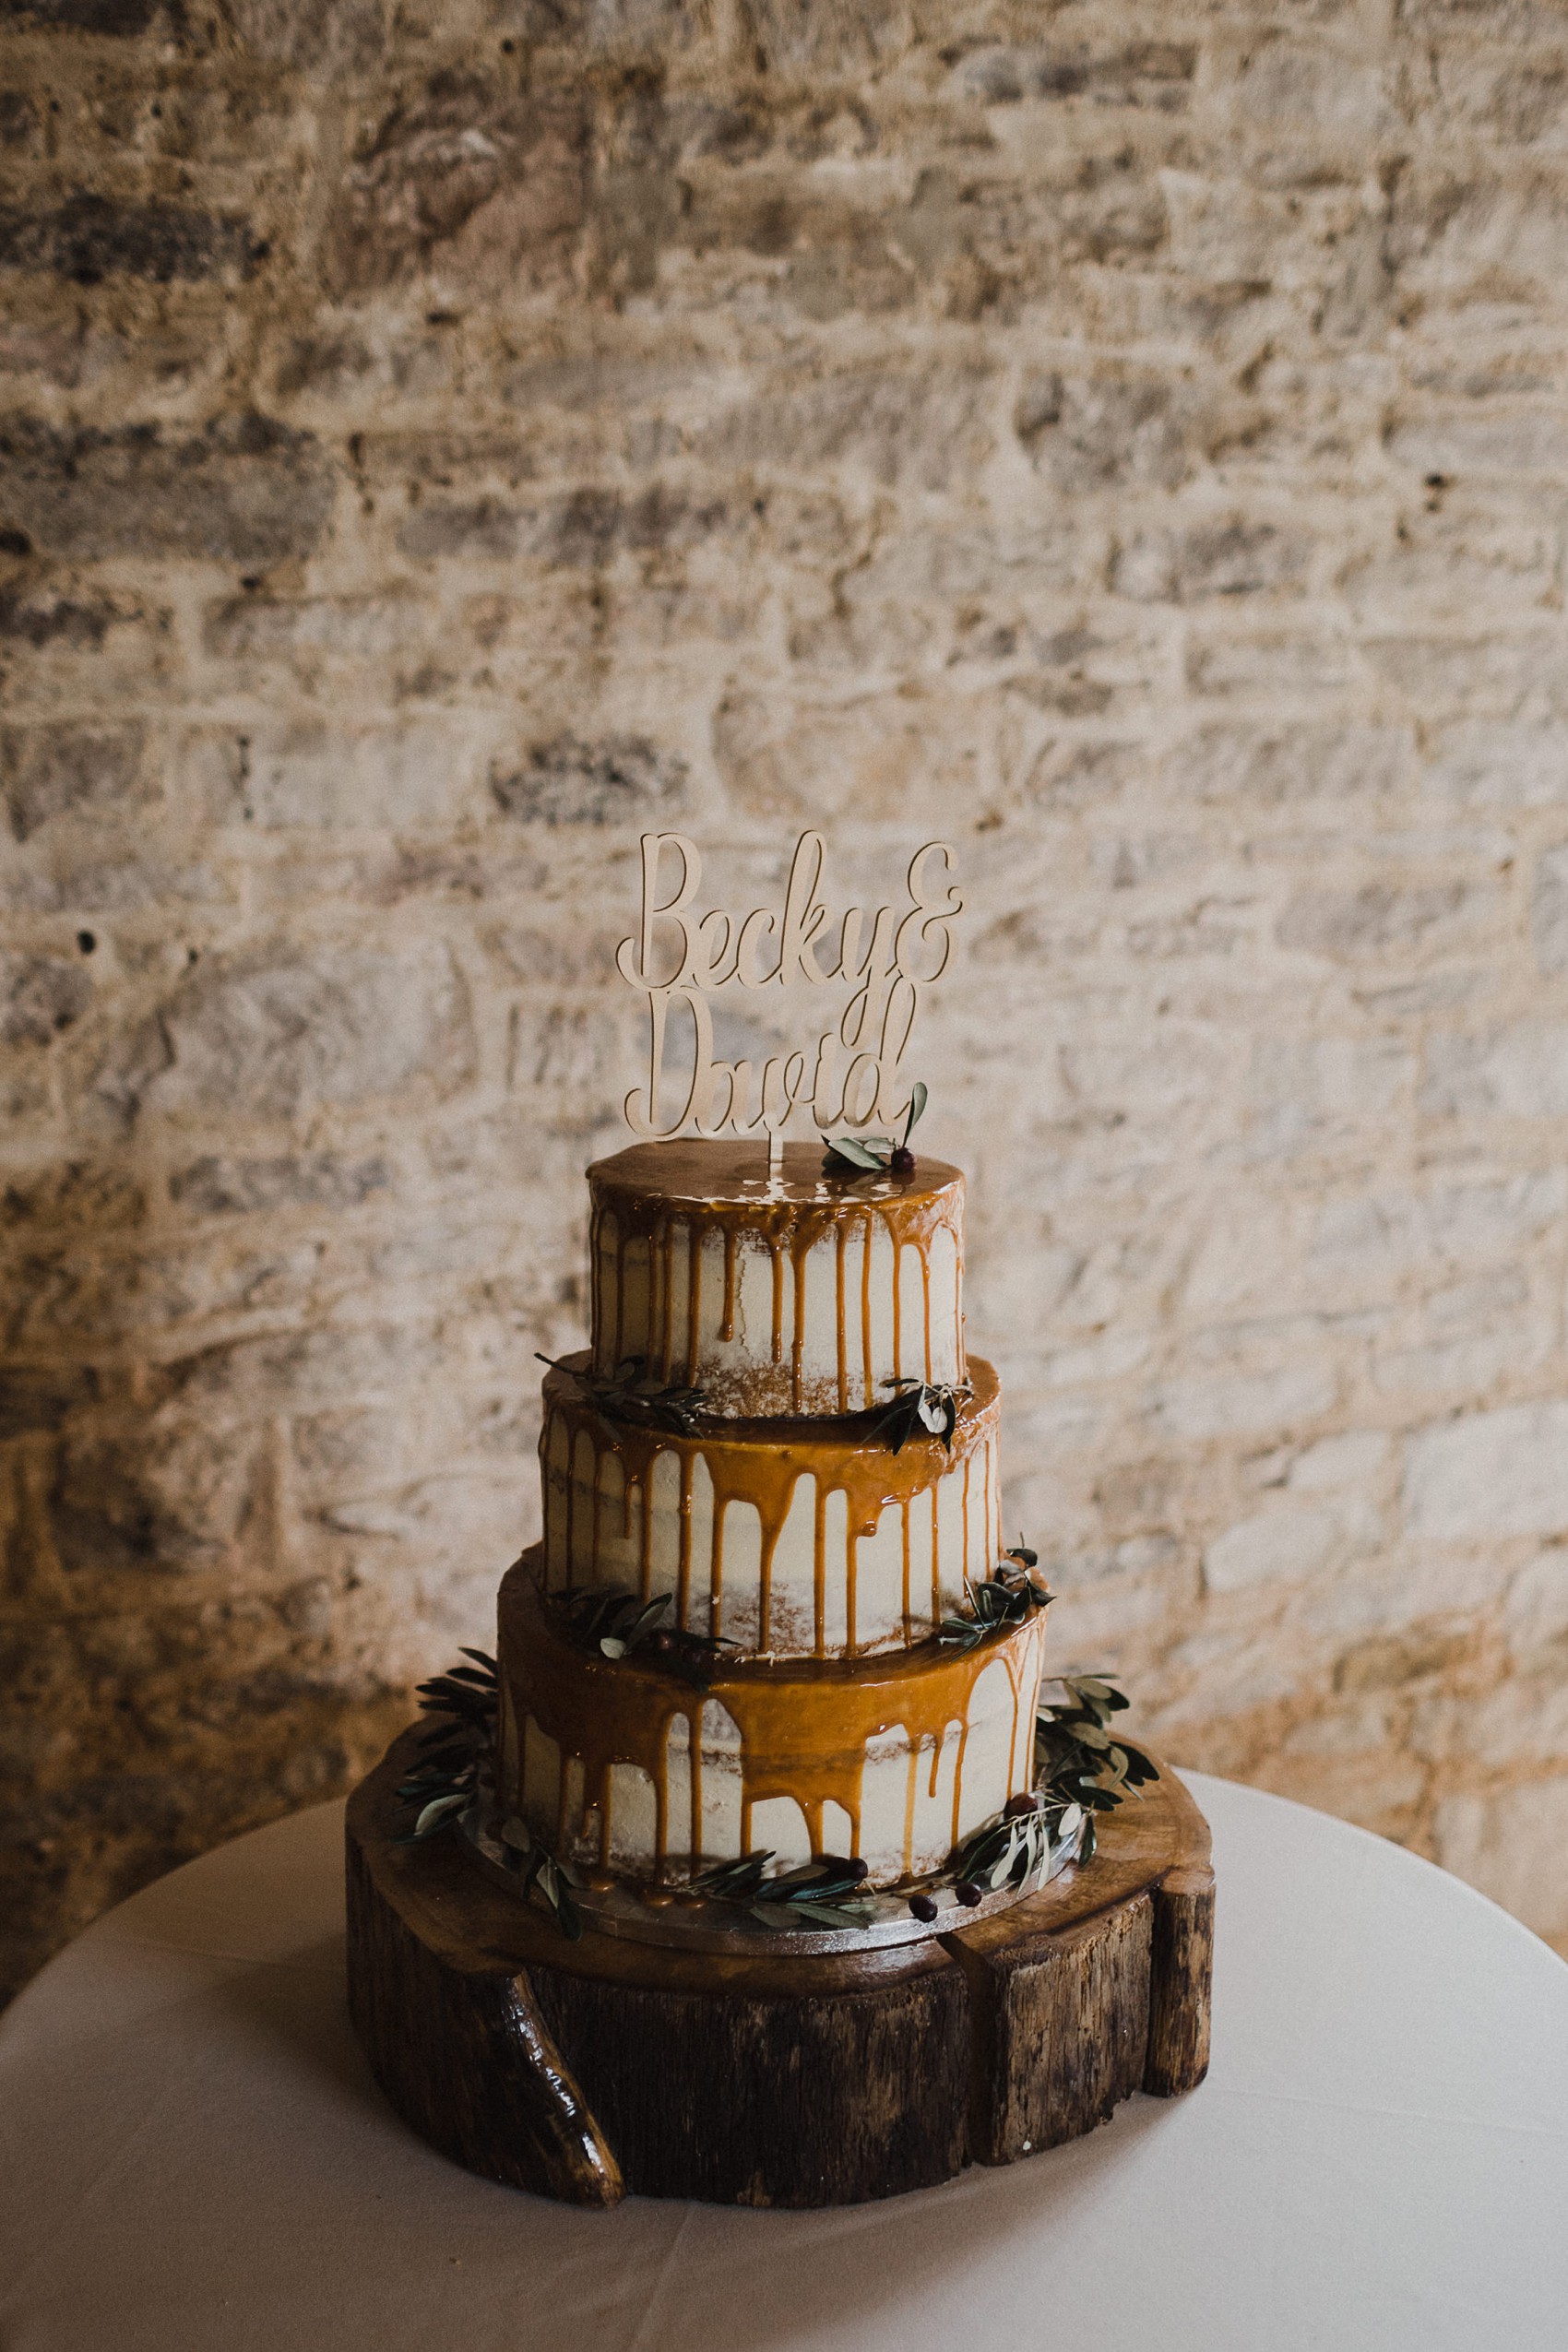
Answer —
(805, 1293)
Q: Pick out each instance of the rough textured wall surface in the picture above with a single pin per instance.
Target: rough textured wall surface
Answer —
(438, 439)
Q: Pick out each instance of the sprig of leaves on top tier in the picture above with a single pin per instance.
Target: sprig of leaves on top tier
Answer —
(1009, 1598)
(920, 1405)
(877, 1155)
(821, 1893)
(619, 1396)
(618, 1624)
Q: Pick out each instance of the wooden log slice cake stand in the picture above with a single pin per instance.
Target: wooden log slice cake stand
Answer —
(583, 2071)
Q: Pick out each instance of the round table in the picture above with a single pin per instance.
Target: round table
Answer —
(194, 2155)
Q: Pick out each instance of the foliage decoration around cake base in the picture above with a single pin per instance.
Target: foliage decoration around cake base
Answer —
(1083, 1767)
(825, 1891)
(455, 1747)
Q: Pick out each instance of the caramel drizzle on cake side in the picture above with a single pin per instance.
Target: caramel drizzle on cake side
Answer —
(660, 1225)
(804, 1731)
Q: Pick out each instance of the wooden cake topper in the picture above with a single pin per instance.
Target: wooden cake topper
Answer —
(851, 1075)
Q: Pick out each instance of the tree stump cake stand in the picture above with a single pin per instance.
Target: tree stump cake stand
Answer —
(586, 2070)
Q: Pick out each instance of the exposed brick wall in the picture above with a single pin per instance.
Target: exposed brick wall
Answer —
(435, 441)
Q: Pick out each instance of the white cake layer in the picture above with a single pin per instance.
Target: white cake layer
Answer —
(805, 1293)
(814, 1543)
(846, 1329)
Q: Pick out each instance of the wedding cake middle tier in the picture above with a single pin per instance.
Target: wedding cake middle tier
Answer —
(787, 1539)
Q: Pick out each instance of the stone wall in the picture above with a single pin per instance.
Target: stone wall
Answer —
(438, 439)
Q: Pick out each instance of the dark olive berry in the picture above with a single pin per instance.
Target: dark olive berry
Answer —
(968, 1893)
(1026, 1801)
(662, 1643)
(902, 1162)
(857, 1868)
(922, 1906)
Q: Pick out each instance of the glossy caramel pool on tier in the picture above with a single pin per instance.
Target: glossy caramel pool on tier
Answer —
(789, 1538)
(802, 1294)
(620, 1766)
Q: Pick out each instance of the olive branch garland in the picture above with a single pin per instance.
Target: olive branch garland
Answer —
(824, 1892)
(1081, 1769)
(1081, 1765)
(1080, 1758)
(536, 1866)
(1007, 1598)
(920, 1405)
(444, 1787)
(915, 1405)
(618, 1395)
(445, 1783)
(618, 1624)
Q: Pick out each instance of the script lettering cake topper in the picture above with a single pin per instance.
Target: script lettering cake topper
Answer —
(851, 1075)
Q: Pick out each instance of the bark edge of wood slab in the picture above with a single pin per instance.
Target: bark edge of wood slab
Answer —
(587, 2071)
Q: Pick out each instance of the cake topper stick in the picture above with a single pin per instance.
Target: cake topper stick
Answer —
(851, 1076)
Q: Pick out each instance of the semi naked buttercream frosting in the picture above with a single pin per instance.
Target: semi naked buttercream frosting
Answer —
(724, 1447)
(796, 1294)
(792, 1538)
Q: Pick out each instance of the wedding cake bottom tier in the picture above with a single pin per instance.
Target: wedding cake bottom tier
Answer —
(621, 1766)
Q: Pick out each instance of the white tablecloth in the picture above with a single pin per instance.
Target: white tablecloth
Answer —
(192, 2154)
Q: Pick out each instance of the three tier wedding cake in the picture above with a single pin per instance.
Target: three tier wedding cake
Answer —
(773, 1476)
(758, 1865)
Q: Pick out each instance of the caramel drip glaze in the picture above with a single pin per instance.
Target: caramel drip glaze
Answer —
(788, 1538)
(631, 1770)
(804, 1294)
